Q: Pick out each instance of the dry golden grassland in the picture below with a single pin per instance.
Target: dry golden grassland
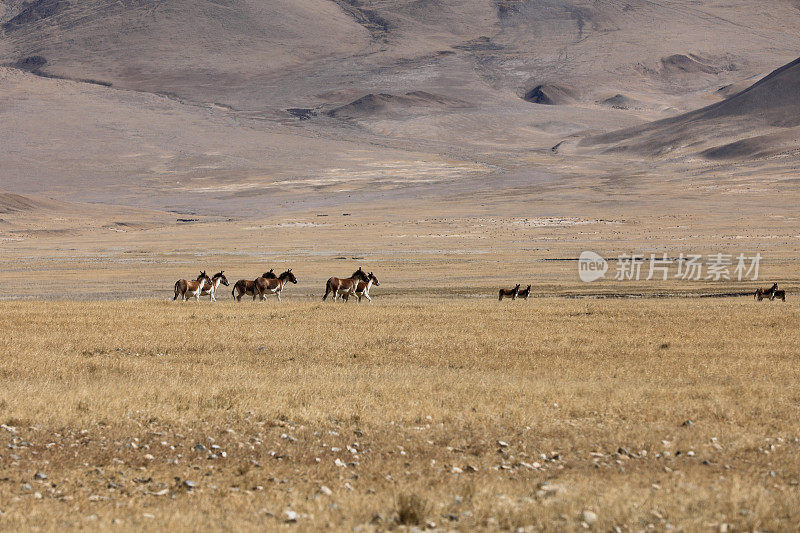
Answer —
(549, 414)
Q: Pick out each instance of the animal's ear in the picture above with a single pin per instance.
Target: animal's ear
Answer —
(290, 270)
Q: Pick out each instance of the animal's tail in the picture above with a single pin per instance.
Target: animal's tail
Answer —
(233, 292)
(500, 295)
(176, 291)
(327, 290)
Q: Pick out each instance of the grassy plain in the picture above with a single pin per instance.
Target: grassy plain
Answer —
(434, 412)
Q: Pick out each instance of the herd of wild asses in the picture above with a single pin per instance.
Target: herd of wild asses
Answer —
(358, 284)
(772, 293)
(515, 293)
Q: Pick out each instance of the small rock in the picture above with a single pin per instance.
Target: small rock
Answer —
(190, 485)
(502, 444)
(339, 462)
(290, 516)
(200, 447)
(325, 490)
(687, 423)
(590, 517)
(456, 470)
(39, 475)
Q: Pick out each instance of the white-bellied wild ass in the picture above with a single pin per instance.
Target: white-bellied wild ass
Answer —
(524, 294)
(778, 295)
(340, 286)
(247, 287)
(275, 286)
(211, 289)
(186, 289)
(765, 293)
(512, 293)
(362, 288)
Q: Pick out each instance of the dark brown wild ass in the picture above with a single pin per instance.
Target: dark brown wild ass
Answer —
(362, 289)
(247, 287)
(340, 286)
(765, 293)
(186, 289)
(524, 294)
(211, 289)
(778, 295)
(512, 293)
(275, 286)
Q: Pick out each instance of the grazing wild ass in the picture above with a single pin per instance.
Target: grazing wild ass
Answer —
(340, 286)
(505, 293)
(362, 289)
(275, 286)
(524, 294)
(247, 287)
(211, 289)
(765, 293)
(186, 289)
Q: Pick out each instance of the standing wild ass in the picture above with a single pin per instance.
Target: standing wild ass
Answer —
(765, 293)
(505, 293)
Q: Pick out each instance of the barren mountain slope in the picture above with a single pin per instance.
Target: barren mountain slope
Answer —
(759, 121)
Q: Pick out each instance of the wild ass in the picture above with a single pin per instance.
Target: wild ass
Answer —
(778, 295)
(340, 286)
(275, 286)
(524, 294)
(211, 289)
(185, 289)
(505, 293)
(362, 288)
(247, 287)
(765, 293)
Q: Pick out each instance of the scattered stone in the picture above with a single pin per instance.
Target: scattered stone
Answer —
(200, 447)
(39, 475)
(325, 490)
(290, 516)
(687, 423)
(339, 462)
(502, 444)
(189, 485)
(457, 470)
(589, 517)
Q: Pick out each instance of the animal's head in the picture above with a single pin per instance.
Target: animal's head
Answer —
(361, 275)
(270, 274)
(374, 279)
(221, 276)
(204, 276)
(288, 276)
(773, 288)
(529, 288)
(201, 275)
